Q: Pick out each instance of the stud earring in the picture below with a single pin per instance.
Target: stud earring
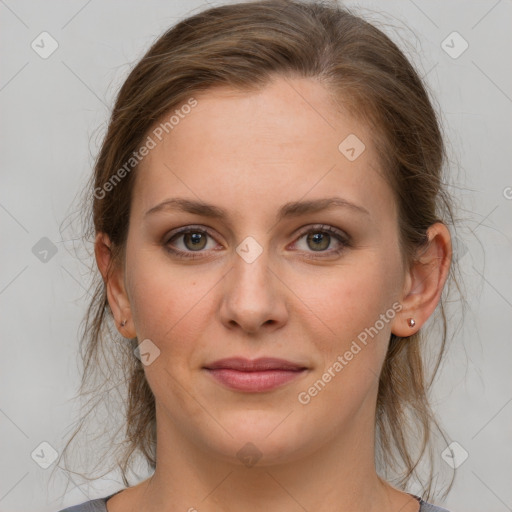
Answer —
(411, 322)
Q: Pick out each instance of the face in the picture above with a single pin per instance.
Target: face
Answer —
(314, 288)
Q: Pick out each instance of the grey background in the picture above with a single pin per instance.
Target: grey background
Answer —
(54, 112)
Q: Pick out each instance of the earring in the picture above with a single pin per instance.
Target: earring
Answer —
(411, 322)
(123, 323)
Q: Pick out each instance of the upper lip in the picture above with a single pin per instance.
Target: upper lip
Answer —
(254, 365)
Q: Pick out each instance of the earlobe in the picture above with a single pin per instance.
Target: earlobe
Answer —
(424, 282)
(114, 284)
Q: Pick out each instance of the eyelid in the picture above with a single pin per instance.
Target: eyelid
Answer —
(188, 228)
(192, 228)
(322, 227)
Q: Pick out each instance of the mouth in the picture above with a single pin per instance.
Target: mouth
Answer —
(258, 375)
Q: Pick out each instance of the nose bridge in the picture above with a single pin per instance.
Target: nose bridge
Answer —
(250, 281)
(251, 298)
(251, 263)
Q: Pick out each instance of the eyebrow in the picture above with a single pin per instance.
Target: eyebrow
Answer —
(291, 209)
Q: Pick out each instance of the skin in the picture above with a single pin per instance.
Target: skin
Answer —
(250, 153)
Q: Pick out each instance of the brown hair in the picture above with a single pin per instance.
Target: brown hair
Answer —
(244, 46)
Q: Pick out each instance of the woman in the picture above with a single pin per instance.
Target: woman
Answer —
(271, 231)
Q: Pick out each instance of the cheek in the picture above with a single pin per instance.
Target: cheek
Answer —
(170, 307)
(168, 303)
(348, 300)
(356, 314)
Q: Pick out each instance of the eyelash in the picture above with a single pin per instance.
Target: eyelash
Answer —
(320, 228)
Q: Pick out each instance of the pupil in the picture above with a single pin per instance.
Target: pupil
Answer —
(196, 238)
(320, 240)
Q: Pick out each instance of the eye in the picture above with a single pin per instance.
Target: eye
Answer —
(320, 238)
(190, 240)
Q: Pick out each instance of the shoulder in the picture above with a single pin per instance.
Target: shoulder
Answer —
(97, 505)
(425, 506)
(428, 507)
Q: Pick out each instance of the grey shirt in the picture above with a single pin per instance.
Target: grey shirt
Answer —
(99, 505)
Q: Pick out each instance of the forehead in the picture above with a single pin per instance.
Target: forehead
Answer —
(273, 145)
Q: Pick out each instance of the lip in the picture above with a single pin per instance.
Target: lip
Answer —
(254, 365)
(256, 375)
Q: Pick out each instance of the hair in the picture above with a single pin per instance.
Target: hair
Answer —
(244, 46)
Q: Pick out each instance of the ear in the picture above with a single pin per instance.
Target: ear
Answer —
(114, 283)
(424, 281)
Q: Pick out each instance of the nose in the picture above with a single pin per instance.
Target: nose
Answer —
(253, 297)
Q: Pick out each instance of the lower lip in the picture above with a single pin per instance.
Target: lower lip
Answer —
(254, 381)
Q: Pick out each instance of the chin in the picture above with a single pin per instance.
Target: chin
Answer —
(262, 438)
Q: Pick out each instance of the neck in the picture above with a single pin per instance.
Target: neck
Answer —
(339, 474)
